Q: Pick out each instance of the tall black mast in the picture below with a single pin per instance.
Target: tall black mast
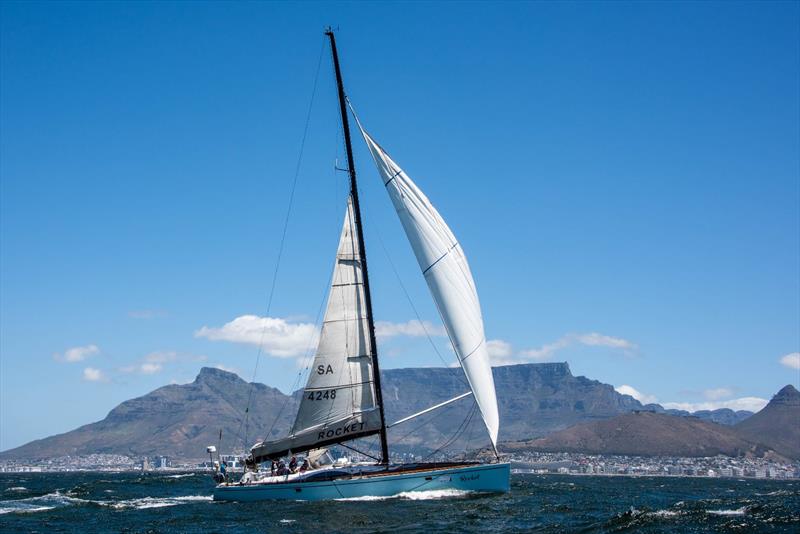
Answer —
(351, 169)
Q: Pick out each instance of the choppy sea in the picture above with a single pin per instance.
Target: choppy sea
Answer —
(181, 502)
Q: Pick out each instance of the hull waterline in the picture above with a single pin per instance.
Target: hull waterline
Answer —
(492, 478)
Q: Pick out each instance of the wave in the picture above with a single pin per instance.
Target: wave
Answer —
(55, 500)
(413, 495)
(775, 493)
(155, 502)
(738, 511)
(17, 488)
(183, 475)
(665, 513)
(42, 503)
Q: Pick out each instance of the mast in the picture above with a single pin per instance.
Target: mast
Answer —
(351, 170)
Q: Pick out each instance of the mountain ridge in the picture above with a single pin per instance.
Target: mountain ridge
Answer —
(181, 420)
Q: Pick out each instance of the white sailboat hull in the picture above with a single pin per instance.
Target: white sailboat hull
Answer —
(490, 478)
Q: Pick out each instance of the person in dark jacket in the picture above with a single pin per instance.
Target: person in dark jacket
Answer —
(293, 464)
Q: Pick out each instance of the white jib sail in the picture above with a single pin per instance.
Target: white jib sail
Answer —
(339, 398)
(448, 276)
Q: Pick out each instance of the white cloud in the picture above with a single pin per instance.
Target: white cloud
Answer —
(90, 374)
(752, 404)
(77, 354)
(412, 328)
(149, 368)
(498, 348)
(625, 389)
(599, 340)
(545, 351)
(592, 339)
(717, 393)
(276, 336)
(500, 352)
(233, 370)
(792, 361)
(154, 362)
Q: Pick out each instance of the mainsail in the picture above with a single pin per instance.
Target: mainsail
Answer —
(448, 276)
(338, 402)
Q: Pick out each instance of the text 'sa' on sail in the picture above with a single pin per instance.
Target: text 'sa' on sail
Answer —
(338, 402)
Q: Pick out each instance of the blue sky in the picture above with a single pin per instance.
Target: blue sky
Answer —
(624, 178)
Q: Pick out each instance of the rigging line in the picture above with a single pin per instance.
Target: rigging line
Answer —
(309, 355)
(283, 237)
(414, 308)
(464, 424)
(426, 422)
(306, 359)
(456, 434)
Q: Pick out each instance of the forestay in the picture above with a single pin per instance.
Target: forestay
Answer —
(448, 276)
(338, 402)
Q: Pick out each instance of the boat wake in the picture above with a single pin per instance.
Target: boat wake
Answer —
(413, 496)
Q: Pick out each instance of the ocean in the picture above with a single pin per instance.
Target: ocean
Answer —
(181, 502)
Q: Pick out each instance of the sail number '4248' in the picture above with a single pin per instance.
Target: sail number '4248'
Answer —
(321, 395)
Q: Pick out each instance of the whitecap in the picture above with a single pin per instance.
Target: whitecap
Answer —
(24, 509)
(287, 521)
(738, 511)
(665, 513)
(183, 475)
(41, 503)
(17, 488)
(155, 502)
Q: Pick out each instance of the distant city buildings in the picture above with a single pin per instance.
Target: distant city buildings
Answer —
(95, 462)
(715, 466)
(530, 462)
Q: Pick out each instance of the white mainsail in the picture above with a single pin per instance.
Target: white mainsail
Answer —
(338, 402)
(448, 276)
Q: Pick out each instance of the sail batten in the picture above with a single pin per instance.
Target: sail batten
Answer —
(447, 273)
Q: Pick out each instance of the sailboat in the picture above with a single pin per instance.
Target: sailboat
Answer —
(342, 399)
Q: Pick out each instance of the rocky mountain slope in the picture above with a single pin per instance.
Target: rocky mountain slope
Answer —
(777, 425)
(175, 420)
(774, 431)
(646, 434)
(181, 420)
(535, 400)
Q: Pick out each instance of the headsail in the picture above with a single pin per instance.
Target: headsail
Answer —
(448, 276)
(338, 402)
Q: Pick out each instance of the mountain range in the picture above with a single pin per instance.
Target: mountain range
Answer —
(773, 431)
(535, 400)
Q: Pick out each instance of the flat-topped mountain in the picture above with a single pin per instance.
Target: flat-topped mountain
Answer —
(181, 420)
